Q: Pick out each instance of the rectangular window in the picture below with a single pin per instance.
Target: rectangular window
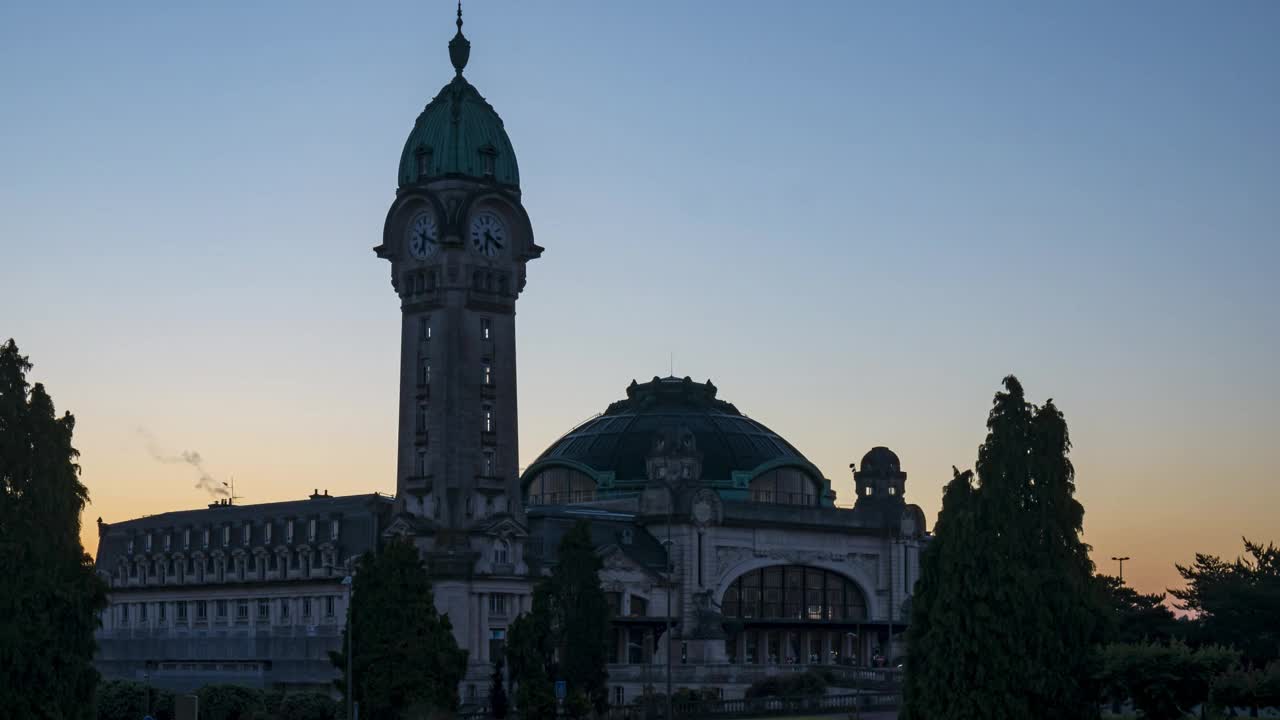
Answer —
(148, 542)
(142, 612)
(488, 418)
(242, 609)
(186, 539)
(424, 371)
(288, 531)
(497, 642)
(488, 462)
(486, 329)
(264, 610)
(124, 614)
(202, 609)
(266, 534)
(284, 609)
(311, 530)
(206, 537)
(498, 604)
(182, 610)
(421, 464)
(333, 530)
(329, 605)
(226, 534)
(424, 327)
(167, 541)
(306, 607)
(248, 532)
(130, 548)
(420, 419)
(488, 373)
(618, 696)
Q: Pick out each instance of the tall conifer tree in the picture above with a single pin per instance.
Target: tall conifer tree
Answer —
(1004, 615)
(50, 597)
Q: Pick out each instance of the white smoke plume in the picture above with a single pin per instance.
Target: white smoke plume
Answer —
(186, 457)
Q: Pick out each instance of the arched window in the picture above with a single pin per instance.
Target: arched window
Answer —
(501, 552)
(784, 486)
(561, 486)
(794, 592)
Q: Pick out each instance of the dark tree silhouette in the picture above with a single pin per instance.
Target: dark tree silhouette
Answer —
(405, 652)
(1238, 602)
(50, 597)
(1005, 614)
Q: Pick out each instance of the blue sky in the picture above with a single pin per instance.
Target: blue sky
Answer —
(855, 218)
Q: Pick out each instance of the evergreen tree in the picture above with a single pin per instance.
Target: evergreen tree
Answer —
(1238, 603)
(565, 636)
(1005, 613)
(50, 597)
(579, 613)
(498, 690)
(405, 653)
(1134, 617)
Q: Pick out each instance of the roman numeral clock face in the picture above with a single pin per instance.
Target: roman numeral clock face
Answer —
(423, 235)
(488, 234)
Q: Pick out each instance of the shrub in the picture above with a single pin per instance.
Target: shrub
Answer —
(810, 682)
(307, 706)
(230, 702)
(1164, 681)
(127, 700)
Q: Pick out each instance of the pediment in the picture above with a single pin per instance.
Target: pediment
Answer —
(615, 558)
(506, 527)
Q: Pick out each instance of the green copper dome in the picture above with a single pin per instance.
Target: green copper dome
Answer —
(458, 134)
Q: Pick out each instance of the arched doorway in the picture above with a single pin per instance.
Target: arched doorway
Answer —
(793, 614)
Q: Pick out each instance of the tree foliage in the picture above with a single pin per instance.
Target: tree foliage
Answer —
(50, 597)
(405, 652)
(230, 702)
(127, 700)
(1165, 681)
(498, 690)
(1005, 613)
(565, 636)
(1237, 603)
(1132, 617)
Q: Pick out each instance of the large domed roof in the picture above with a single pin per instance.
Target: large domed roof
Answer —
(619, 440)
(458, 133)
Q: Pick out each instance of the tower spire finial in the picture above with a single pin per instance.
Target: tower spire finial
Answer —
(459, 46)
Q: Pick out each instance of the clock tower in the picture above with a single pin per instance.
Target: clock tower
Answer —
(458, 240)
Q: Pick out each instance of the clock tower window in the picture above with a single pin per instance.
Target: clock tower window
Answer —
(424, 162)
(421, 420)
(488, 462)
(420, 468)
(488, 419)
(486, 329)
(488, 373)
(424, 328)
(424, 372)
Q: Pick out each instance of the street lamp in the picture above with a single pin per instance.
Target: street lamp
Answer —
(1121, 561)
(351, 628)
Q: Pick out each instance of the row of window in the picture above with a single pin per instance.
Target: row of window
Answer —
(201, 568)
(182, 610)
(204, 535)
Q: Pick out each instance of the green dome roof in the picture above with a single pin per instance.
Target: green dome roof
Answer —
(458, 133)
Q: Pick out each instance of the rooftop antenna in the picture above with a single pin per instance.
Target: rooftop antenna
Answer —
(671, 364)
(232, 486)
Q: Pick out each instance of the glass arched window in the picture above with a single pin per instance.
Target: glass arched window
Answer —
(561, 486)
(784, 486)
(794, 592)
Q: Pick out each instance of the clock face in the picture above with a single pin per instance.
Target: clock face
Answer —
(488, 234)
(424, 238)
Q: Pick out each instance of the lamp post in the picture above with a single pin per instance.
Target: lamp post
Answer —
(351, 644)
(1121, 561)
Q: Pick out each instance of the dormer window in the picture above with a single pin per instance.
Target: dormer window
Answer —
(488, 160)
(424, 162)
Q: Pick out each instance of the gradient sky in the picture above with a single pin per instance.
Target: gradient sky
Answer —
(854, 218)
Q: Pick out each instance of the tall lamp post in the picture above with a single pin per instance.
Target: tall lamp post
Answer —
(351, 645)
(1121, 561)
